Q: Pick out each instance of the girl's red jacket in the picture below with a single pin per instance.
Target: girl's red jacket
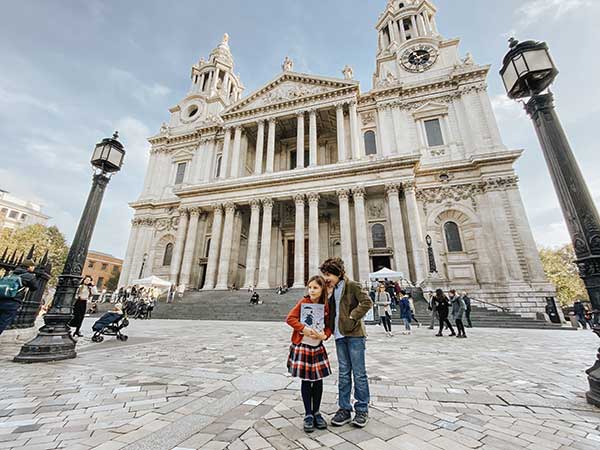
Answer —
(293, 320)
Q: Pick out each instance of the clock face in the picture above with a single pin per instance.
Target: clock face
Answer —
(419, 58)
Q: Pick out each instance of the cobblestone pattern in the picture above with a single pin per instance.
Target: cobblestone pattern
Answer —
(222, 385)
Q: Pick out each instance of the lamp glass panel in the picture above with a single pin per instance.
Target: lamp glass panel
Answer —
(538, 60)
(115, 157)
(97, 152)
(510, 77)
(520, 65)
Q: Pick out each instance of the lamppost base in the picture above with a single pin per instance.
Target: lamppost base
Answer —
(53, 342)
(593, 395)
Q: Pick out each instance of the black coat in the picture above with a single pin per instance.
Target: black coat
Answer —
(28, 279)
(442, 306)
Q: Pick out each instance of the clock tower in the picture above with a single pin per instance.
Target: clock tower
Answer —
(410, 48)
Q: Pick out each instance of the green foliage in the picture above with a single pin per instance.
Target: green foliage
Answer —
(113, 281)
(44, 238)
(562, 272)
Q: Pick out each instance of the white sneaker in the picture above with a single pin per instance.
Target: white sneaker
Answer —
(391, 334)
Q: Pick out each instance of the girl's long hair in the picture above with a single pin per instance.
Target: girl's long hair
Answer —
(321, 282)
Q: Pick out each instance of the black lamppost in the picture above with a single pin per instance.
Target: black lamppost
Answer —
(527, 71)
(54, 341)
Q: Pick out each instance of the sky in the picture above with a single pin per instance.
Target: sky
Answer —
(72, 72)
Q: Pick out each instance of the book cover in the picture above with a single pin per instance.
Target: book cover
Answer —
(312, 315)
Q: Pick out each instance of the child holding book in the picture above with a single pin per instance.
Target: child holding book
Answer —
(308, 358)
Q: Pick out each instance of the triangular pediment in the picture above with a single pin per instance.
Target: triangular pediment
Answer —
(290, 86)
(430, 109)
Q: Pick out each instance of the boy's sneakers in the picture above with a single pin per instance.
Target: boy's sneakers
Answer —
(360, 419)
(342, 417)
(309, 424)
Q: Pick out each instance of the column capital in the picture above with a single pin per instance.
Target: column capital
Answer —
(217, 208)
(255, 204)
(267, 202)
(272, 120)
(313, 197)
(183, 210)
(299, 199)
(358, 192)
(343, 194)
(312, 111)
(300, 113)
(227, 128)
(353, 102)
(229, 207)
(195, 211)
(260, 122)
(392, 189)
(409, 186)
(340, 105)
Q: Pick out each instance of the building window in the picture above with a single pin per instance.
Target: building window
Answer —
(207, 248)
(13, 214)
(180, 173)
(90, 264)
(23, 216)
(434, 132)
(453, 241)
(378, 235)
(218, 168)
(168, 254)
(104, 266)
(293, 159)
(370, 143)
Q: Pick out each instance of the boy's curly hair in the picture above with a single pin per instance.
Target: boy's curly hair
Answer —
(334, 266)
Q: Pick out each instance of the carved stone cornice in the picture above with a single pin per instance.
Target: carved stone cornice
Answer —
(143, 222)
(166, 223)
(500, 183)
(450, 193)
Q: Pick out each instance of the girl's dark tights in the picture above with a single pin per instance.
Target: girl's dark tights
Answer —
(312, 393)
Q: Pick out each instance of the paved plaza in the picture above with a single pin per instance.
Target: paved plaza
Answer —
(222, 385)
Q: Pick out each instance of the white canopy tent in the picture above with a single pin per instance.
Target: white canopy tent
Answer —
(152, 281)
(386, 273)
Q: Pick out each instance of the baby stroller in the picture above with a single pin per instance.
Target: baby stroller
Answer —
(110, 324)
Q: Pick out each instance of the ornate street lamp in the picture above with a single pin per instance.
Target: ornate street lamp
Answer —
(527, 71)
(54, 341)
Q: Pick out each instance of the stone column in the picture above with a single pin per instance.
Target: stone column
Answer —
(362, 247)
(421, 25)
(534, 263)
(345, 231)
(312, 137)
(341, 137)
(398, 238)
(215, 248)
(313, 233)
(393, 32)
(265, 245)
(416, 231)
(131, 245)
(271, 146)
(300, 140)
(226, 245)
(354, 136)
(226, 154)
(190, 246)
(179, 244)
(236, 155)
(415, 30)
(402, 30)
(260, 146)
(386, 144)
(427, 23)
(252, 244)
(208, 160)
(299, 242)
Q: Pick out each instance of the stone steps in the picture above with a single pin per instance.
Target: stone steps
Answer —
(235, 306)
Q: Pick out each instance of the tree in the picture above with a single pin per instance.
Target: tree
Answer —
(113, 281)
(44, 238)
(562, 271)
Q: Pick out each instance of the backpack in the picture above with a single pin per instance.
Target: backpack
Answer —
(10, 287)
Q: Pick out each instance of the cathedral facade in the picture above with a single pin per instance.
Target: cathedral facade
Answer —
(411, 175)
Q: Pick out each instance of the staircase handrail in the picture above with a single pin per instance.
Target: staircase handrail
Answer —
(502, 308)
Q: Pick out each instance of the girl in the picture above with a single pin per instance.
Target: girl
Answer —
(308, 358)
(84, 293)
(383, 302)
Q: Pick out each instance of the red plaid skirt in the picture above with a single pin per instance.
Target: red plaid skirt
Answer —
(308, 362)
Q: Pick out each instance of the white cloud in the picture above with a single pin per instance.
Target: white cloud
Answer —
(11, 99)
(506, 109)
(141, 91)
(535, 10)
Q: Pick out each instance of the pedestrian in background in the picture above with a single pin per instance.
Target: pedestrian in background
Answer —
(467, 301)
(442, 306)
(383, 302)
(405, 312)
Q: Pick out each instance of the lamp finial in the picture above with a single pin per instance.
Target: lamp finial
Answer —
(116, 135)
(512, 42)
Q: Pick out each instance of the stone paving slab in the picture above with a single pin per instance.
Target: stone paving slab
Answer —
(222, 385)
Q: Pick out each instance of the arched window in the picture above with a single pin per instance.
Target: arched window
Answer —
(378, 234)
(452, 237)
(168, 254)
(370, 143)
(218, 168)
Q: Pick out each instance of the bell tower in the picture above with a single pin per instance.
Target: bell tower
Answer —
(409, 44)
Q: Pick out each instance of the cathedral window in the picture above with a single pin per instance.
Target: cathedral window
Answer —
(370, 143)
(168, 256)
(207, 251)
(180, 173)
(218, 167)
(433, 130)
(452, 234)
(378, 235)
(386, 34)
